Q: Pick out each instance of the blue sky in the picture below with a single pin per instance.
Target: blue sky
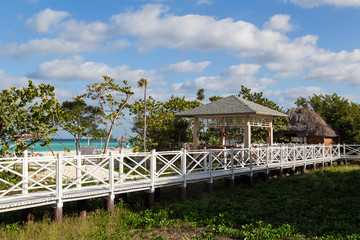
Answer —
(284, 48)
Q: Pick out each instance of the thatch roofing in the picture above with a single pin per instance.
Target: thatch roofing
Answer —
(305, 123)
(231, 105)
(121, 139)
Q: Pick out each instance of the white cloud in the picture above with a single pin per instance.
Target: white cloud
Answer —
(288, 96)
(45, 46)
(8, 81)
(279, 22)
(42, 21)
(76, 69)
(200, 2)
(316, 3)
(187, 66)
(154, 27)
(229, 80)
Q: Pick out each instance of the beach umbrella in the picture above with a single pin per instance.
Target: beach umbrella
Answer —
(121, 139)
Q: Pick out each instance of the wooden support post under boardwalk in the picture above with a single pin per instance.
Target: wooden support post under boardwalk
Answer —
(292, 171)
(182, 192)
(157, 194)
(314, 166)
(249, 179)
(26, 216)
(81, 207)
(304, 169)
(109, 203)
(229, 182)
(209, 186)
(150, 198)
(58, 214)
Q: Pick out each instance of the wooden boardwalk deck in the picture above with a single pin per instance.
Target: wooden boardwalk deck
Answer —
(29, 182)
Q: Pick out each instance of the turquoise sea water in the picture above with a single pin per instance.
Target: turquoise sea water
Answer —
(61, 144)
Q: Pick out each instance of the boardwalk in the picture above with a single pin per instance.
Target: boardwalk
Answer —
(29, 182)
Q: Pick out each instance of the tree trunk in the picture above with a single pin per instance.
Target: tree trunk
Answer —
(145, 119)
(108, 137)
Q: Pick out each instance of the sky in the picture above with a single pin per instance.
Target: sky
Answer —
(283, 48)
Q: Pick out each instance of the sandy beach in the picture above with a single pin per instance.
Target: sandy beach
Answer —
(73, 153)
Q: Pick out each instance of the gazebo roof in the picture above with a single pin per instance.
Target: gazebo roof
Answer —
(231, 105)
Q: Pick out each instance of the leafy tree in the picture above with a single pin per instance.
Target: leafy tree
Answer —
(164, 130)
(340, 113)
(200, 94)
(143, 83)
(27, 116)
(81, 119)
(111, 105)
(214, 98)
(258, 134)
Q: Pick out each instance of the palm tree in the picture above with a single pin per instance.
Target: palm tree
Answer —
(200, 94)
(143, 83)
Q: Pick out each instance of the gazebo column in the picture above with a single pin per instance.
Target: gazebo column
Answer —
(195, 133)
(270, 134)
(222, 131)
(247, 132)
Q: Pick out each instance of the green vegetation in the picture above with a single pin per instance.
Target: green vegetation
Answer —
(342, 114)
(28, 115)
(316, 205)
(81, 120)
(164, 131)
(112, 99)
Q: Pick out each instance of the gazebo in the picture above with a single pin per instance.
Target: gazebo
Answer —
(232, 111)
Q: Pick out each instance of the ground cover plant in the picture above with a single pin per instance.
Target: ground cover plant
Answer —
(317, 205)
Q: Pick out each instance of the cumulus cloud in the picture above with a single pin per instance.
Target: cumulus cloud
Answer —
(288, 96)
(45, 19)
(8, 81)
(279, 22)
(232, 78)
(187, 67)
(154, 26)
(77, 69)
(200, 2)
(316, 3)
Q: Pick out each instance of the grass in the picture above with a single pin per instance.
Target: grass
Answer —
(316, 205)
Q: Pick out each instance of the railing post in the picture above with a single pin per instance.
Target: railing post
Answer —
(25, 173)
(294, 160)
(344, 155)
(232, 164)
(323, 155)
(150, 194)
(313, 156)
(250, 177)
(121, 166)
(110, 199)
(304, 158)
(267, 162)
(225, 158)
(78, 170)
(205, 160)
(59, 204)
(182, 188)
(330, 147)
(209, 184)
(230, 181)
(281, 159)
(153, 169)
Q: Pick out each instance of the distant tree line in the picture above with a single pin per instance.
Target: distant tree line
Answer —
(32, 115)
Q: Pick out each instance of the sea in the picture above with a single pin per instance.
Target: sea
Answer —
(62, 144)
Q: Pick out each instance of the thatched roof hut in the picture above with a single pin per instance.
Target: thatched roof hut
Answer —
(121, 139)
(310, 127)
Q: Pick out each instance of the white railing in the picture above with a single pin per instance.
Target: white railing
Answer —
(23, 176)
